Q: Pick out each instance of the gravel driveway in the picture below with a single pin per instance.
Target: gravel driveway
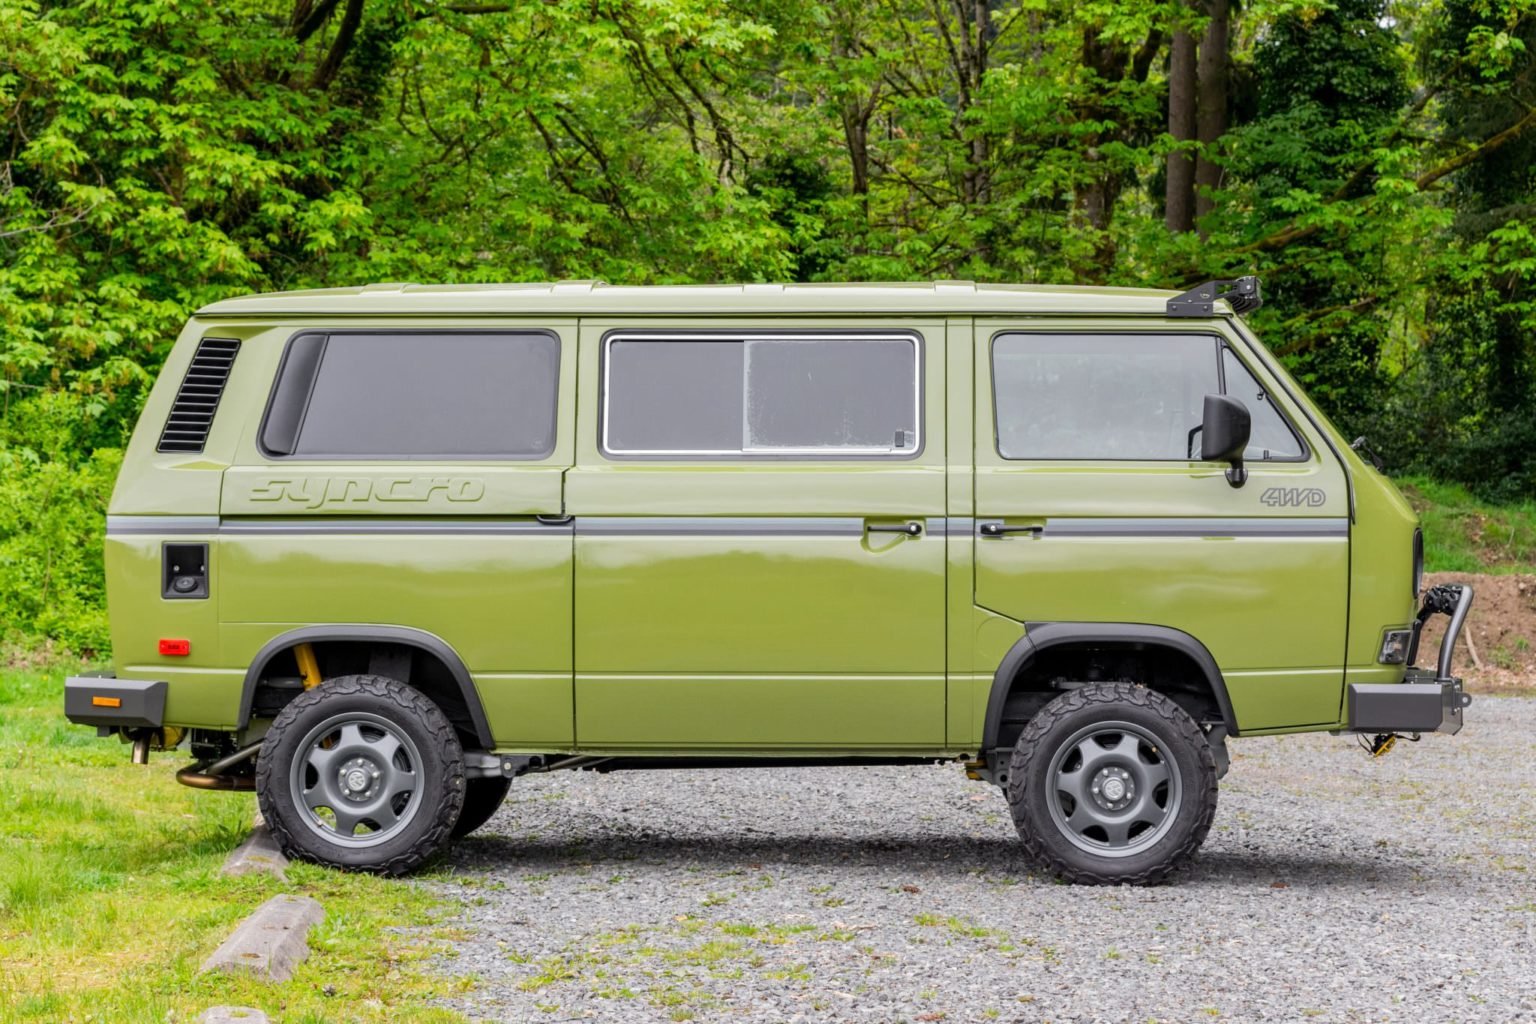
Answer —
(1332, 887)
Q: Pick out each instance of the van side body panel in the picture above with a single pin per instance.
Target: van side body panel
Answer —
(697, 606)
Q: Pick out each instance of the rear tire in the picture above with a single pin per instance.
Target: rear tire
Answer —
(1112, 783)
(482, 797)
(362, 773)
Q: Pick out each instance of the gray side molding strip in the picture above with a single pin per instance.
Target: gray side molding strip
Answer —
(452, 525)
(418, 638)
(1197, 527)
(707, 526)
(446, 525)
(119, 525)
(1041, 636)
(765, 526)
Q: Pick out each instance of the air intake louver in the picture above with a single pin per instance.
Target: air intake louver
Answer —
(197, 401)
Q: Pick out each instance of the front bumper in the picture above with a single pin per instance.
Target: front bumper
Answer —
(115, 703)
(1424, 701)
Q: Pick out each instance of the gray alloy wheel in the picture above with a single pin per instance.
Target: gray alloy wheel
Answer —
(363, 773)
(1114, 793)
(1112, 783)
(356, 780)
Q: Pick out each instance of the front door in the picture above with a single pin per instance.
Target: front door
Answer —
(1093, 505)
(759, 537)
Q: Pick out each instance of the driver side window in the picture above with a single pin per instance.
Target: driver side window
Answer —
(1272, 438)
(1130, 397)
(1133, 397)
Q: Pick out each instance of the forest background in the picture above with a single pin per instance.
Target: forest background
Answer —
(1374, 162)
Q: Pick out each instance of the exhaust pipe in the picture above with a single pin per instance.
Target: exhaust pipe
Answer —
(212, 776)
(190, 776)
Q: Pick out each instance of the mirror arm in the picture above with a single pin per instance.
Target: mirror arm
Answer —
(1237, 475)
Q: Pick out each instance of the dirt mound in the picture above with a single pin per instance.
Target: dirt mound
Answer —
(1497, 650)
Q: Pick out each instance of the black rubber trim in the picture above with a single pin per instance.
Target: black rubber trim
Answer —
(1041, 636)
(418, 638)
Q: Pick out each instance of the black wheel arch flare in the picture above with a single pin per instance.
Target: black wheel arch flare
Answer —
(1040, 636)
(430, 643)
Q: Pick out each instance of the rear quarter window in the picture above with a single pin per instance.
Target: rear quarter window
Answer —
(415, 395)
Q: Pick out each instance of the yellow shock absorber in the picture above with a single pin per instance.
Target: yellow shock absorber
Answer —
(309, 667)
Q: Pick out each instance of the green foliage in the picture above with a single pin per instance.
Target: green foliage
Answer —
(55, 479)
(1377, 170)
(1464, 534)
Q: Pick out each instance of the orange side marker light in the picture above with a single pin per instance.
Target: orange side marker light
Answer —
(106, 702)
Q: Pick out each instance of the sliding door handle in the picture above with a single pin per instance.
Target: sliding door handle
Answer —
(1004, 529)
(912, 529)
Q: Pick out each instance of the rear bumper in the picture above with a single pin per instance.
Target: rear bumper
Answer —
(1420, 703)
(111, 702)
(1425, 701)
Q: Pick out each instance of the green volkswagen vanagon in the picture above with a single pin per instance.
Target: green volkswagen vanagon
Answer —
(376, 552)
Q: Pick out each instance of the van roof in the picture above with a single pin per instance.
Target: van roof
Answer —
(587, 298)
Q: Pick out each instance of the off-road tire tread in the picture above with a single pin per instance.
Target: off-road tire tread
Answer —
(412, 703)
(1030, 746)
(478, 804)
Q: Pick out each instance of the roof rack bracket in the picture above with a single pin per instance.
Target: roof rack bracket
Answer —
(1242, 294)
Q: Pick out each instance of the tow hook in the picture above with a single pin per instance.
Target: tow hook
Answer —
(1382, 743)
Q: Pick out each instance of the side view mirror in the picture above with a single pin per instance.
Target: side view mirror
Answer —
(1224, 431)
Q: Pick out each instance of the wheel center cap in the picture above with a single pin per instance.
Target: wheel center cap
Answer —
(357, 778)
(1113, 788)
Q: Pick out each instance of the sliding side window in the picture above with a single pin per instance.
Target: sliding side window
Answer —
(781, 395)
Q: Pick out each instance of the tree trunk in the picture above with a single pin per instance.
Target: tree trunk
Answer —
(970, 57)
(856, 134)
(1211, 116)
(1180, 195)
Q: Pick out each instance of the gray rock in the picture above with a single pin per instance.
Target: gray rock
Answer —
(270, 943)
(257, 855)
(232, 1015)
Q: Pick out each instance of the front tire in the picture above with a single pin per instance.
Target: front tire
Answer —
(1112, 783)
(362, 773)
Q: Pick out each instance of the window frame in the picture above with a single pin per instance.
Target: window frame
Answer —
(1220, 342)
(282, 367)
(1269, 393)
(743, 455)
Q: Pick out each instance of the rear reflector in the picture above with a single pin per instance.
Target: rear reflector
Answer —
(106, 702)
(176, 648)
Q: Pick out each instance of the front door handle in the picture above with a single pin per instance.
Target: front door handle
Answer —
(1004, 529)
(912, 529)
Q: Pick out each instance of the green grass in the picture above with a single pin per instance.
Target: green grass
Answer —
(110, 893)
(1464, 534)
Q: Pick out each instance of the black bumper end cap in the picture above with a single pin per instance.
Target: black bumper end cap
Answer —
(1422, 703)
(103, 701)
